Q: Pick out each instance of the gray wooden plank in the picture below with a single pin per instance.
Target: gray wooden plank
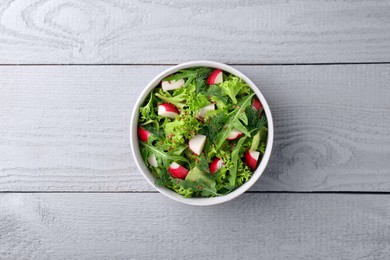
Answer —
(150, 226)
(119, 31)
(65, 128)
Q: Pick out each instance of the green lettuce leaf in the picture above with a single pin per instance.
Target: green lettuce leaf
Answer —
(182, 128)
(197, 102)
(179, 99)
(232, 86)
(147, 112)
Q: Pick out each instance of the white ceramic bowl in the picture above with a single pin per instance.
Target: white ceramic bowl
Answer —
(135, 145)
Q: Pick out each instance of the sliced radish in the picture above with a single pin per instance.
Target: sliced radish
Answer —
(167, 110)
(204, 110)
(143, 134)
(234, 134)
(152, 160)
(251, 159)
(215, 77)
(215, 165)
(197, 143)
(256, 104)
(172, 84)
(177, 171)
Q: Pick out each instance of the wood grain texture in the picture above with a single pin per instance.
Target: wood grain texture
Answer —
(65, 128)
(142, 32)
(149, 226)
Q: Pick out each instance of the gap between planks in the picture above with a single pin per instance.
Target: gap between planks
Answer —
(173, 64)
(247, 192)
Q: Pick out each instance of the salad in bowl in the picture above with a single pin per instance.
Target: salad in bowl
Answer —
(201, 133)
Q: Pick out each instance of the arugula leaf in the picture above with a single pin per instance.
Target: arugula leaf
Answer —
(233, 166)
(165, 158)
(235, 118)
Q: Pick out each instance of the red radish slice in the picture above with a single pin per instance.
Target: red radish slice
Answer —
(143, 134)
(215, 165)
(172, 84)
(177, 171)
(234, 134)
(197, 143)
(204, 110)
(167, 110)
(251, 158)
(152, 160)
(215, 77)
(256, 104)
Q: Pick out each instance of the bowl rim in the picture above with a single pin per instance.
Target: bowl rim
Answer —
(134, 143)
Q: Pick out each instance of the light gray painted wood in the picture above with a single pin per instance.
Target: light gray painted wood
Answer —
(150, 226)
(65, 128)
(120, 31)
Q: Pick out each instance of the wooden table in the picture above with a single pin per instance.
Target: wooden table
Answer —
(71, 71)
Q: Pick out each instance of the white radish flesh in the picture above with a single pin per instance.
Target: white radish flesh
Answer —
(172, 84)
(196, 144)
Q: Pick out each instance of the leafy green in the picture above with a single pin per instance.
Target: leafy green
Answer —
(263, 139)
(233, 165)
(237, 119)
(163, 178)
(200, 80)
(202, 163)
(213, 125)
(201, 72)
(166, 158)
(153, 128)
(243, 173)
(233, 86)
(199, 187)
(255, 120)
(182, 128)
(255, 142)
(217, 91)
(147, 112)
(178, 100)
(197, 102)
(182, 189)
